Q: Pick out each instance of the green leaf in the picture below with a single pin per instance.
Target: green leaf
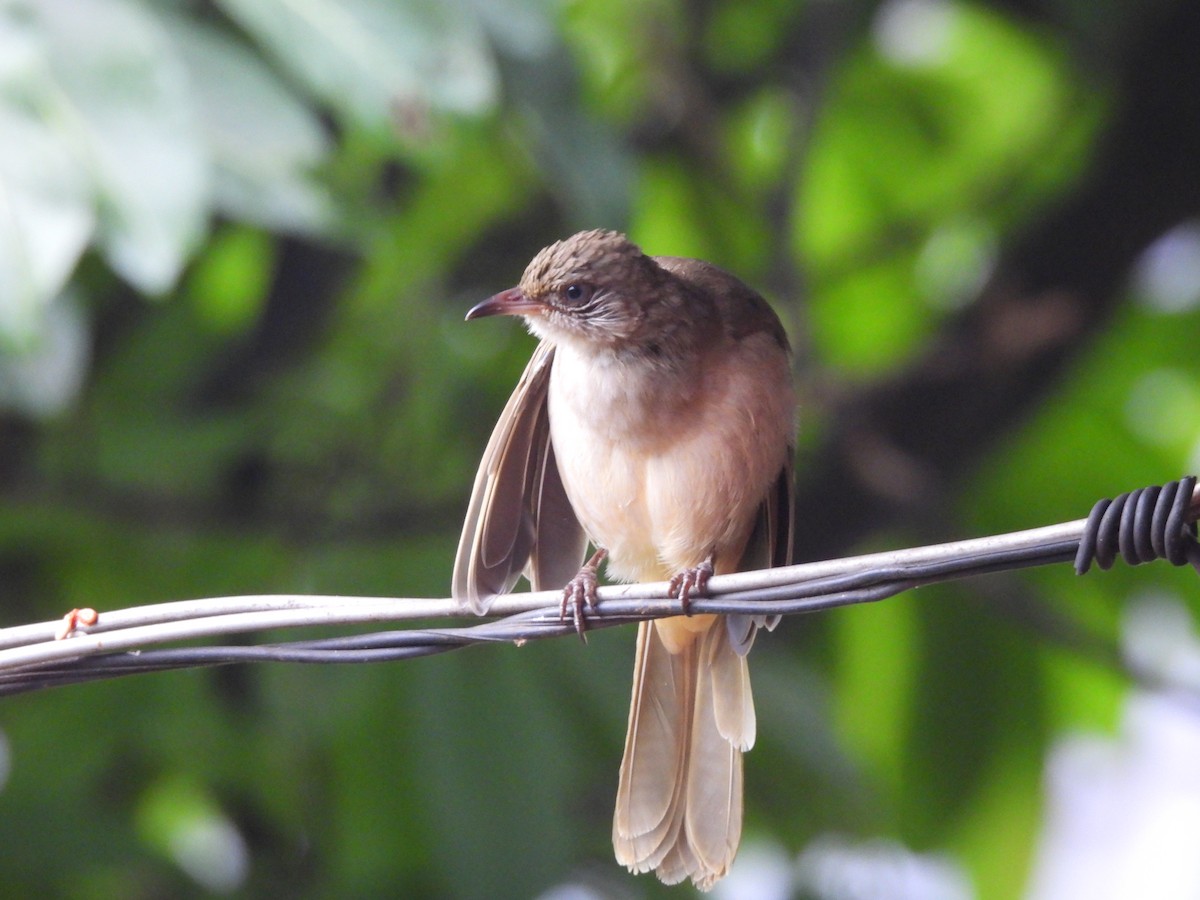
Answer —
(124, 100)
(265, 143)
(367, 57)
(46, 212)
(229, 283)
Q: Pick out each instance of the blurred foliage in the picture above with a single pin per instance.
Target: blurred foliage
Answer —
(236, 242)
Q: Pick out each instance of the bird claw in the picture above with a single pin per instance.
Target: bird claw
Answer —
(580, 592)
(689, 582)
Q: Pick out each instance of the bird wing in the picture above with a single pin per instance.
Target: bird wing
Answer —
(519, 517)
(743, 312)
(741, 309)
(771, 544)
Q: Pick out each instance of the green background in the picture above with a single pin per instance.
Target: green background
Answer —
(237, 240)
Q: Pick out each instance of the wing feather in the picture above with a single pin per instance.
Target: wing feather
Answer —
(560, 541)
(772, 544)
(518, 513)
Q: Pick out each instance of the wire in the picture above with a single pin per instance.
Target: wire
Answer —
(1139, 526)
(1143, 525)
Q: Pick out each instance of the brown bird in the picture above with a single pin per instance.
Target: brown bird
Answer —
(656, 420)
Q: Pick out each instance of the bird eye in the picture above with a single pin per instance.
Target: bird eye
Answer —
(577, 293)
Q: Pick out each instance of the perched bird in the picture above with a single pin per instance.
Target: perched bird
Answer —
(655, 420)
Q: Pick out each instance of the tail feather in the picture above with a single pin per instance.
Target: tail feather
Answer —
(679, 801)
(714, 778)
(732, 700)
(649, 794)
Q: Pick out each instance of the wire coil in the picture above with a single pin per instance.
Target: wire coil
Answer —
(1141, 526)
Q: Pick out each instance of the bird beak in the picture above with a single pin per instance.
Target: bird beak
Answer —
(512, 302)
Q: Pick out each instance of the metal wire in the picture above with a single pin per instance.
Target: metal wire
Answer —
(1141, 526)
(1151, 523)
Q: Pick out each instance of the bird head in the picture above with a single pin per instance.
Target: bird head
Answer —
(595, 287)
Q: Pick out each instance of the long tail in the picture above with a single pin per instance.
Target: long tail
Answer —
(679, 800)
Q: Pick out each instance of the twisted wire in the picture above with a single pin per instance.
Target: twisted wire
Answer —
(1142, 526)
(1139, 526)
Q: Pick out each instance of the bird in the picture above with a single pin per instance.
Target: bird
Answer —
(655, 421)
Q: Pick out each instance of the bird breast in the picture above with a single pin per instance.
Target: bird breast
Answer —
(663, 466)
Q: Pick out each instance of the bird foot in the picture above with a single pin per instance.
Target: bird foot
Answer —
(691, 582)
(580, 592)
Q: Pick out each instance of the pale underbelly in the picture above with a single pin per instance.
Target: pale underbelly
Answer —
(657, 514)
(665, 473)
